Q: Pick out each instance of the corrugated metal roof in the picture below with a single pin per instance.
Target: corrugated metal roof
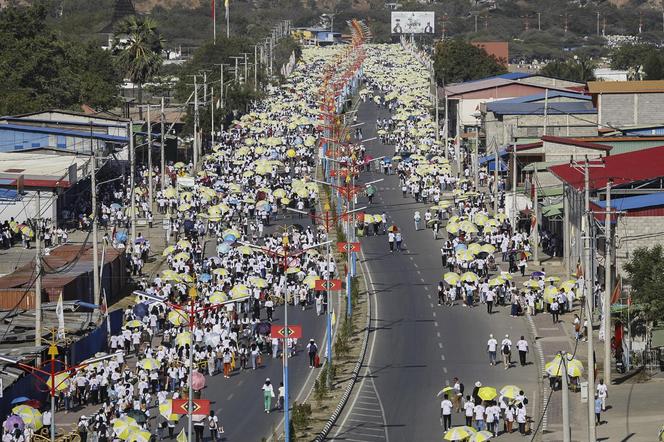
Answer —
(564, 108)
(507, 76)
(542, 96)
(575, 142)
(635, 202)
(478, 85)
(625, 168)
(64, 132)
(625, 87)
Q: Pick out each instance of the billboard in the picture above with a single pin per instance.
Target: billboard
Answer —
(418, 22)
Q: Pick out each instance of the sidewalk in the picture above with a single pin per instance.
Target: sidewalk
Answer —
(633, 410)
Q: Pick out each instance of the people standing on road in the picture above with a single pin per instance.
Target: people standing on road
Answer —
(602, 393)
(268, 394)
(458, 394)
(479, 416)
(390, 241)
(554, 307)
(282, 396)
(491, 347)
(398, 239)
(215, 428)
(506, 350)
(446, 412)
(469, 407)
(598, 410)
(522, 346)
(417, 218)
(312, 349)
(489, 297)
(521, 418)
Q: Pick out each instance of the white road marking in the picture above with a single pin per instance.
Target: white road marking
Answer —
(444, 369)
(438, 334)
(440, 345)
(435, 323)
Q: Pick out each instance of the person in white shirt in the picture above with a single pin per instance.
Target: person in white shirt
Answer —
(491, 349)
(522, 346)
(602, 393)
(469, 407)
(479, 417)
(446, 413)
(506, 350)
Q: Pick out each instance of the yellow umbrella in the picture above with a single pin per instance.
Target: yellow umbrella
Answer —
(506, 276)
(184, 207)
(184, 244)
(481, 436)
(218, 298)
(468, 227)
(488, 248)
(177, 317)
(139, 435)
(182, 255)
(464, 255)
(553, 279)
(170, 192)
(179, 165)
(531, 283)
(310, 280)
(168, 250)
(166, 410)
(452, 228)
(487, 393)
(149, 364)
(470, 277)
(26, 230)
(220, 272)
(451, 278)
(258, 282)
(31, 417)
(239, 291)
(510, 391)
(185, 277)
(245, 250)
(368, 218)
(183, 339)
(496, 281)
(454, 219)
(170, 275)
(574, 370)
(61, 381)
(474, 248)
(231, 232)
(291, 270)
(124, 426)
(279, 193)
(550, 293)
(134, 323)
(568, 285)
(481, 219)
(459, 433)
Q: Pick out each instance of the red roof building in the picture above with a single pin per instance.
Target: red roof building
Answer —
(641, 165)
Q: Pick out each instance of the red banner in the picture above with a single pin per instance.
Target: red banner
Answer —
(328, 284)
(348, 247)
(200, 406)
(279, 332)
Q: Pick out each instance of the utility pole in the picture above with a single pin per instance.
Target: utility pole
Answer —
(567, 429)
(132, 183)
(237, 67)
(212, 115)
(495, 181)
(95, 245)
(255, 68)
(535, 233)
(539, 21)
(475, 16)
(598, 14)
(38, 274)
(246, 68)
(514, 172)
(150, 177)
(640, 22)
(195, 145)
(589, 306)
(163, 142)
(606, 305)
(546, 110)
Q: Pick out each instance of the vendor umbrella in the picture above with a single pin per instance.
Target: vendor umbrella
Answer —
(459, 433)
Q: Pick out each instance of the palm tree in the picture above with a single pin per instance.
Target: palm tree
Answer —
(137, 46)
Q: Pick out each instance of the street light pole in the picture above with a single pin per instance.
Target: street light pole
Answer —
(132, 183)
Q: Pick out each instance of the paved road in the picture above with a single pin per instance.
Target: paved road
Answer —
(239, 400)
(418, 347)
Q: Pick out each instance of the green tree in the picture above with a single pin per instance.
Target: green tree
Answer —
(457, 60)
(645, 270)
(653, 67)
(40, 69)
(631, 56)
(575, 69)
(138, 45)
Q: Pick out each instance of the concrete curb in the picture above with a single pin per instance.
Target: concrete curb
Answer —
(356, 371)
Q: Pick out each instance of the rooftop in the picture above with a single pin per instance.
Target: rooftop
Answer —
(625, 87)
(575, 142)
(635, 202)
(565, 108)
(64, 132)
(626, 168)
(543, 95)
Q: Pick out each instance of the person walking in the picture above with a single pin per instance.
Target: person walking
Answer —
(312, 349)
(268, 394)
(491, 346)
(215, 428)
(469, 407)
(446, 412)
(598, 410)
(490, 297)
(602, 393)
(390, 241)
(506, 350)
(522, 346)
(554, 310)
(417, 218)
(398, 239)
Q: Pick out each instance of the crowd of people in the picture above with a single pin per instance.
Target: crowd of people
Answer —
(258, 170)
